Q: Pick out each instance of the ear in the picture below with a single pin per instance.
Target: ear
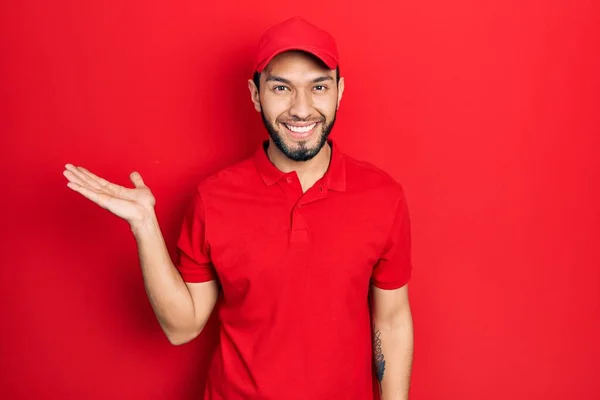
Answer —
(254, 94)
(340, 91)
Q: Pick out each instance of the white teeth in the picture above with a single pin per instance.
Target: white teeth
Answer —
(300, 129)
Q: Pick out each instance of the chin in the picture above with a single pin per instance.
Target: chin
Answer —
(300, 150)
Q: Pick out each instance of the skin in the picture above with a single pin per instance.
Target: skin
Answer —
(393, 341)
(297, 90)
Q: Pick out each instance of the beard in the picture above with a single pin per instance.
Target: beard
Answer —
(302, 152)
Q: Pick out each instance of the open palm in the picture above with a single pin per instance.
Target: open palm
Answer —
(131, 204)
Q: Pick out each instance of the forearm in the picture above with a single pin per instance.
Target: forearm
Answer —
(393, 352)
(169, 296)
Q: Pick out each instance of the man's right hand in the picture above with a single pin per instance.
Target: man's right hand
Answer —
(132, 204)
(182, 308)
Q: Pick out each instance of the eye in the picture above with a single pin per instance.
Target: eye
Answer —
(280, 88)
(320, 88)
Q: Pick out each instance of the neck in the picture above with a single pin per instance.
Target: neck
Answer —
(309, 171)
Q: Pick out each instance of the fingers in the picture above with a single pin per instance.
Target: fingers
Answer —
(72, 177)
(83, 177)
(79, 176)
(103, 182)
(88, 193)
(96, 182)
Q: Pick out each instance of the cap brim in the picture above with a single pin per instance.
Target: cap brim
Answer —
(327, 59)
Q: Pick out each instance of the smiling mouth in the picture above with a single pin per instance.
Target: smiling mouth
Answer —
(301, 129)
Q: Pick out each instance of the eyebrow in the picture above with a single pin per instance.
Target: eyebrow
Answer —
(275, 78)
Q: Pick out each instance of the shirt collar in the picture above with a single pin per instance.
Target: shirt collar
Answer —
(334, 178)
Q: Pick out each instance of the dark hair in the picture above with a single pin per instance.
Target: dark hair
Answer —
(256, 78)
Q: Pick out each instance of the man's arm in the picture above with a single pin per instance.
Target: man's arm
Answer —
(182, 308)
(392, 341)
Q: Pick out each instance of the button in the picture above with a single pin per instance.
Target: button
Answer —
(299, 206)
(321, 188)
(289, 179)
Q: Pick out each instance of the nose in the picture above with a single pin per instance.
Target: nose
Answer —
(301, 105)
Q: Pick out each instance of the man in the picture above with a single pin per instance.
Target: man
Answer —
(308, 248)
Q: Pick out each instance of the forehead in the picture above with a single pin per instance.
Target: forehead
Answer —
(297, 63)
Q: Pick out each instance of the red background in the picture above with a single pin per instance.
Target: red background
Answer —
(486, 111)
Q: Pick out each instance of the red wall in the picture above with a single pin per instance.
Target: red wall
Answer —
(486, 111)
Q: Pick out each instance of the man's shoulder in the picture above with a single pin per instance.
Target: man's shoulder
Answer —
(235, 175)
(362, 174)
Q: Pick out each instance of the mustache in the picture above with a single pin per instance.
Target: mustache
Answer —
(308, 120)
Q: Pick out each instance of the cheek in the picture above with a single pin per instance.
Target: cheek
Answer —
(326, 106)
(274, 107)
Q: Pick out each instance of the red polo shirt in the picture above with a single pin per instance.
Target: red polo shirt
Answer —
(295, 271)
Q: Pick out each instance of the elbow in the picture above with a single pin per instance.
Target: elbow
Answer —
(178, 337)
(177, 340)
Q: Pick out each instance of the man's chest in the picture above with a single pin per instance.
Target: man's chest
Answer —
(264, 246)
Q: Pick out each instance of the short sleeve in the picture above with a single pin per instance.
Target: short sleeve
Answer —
(194, 262)
(394, 267)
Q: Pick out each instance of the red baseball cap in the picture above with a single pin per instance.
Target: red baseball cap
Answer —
(296, 34)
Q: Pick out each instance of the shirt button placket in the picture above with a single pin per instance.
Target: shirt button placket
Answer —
(299, 233)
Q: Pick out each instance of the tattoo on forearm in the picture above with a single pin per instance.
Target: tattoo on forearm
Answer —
(378, 357)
